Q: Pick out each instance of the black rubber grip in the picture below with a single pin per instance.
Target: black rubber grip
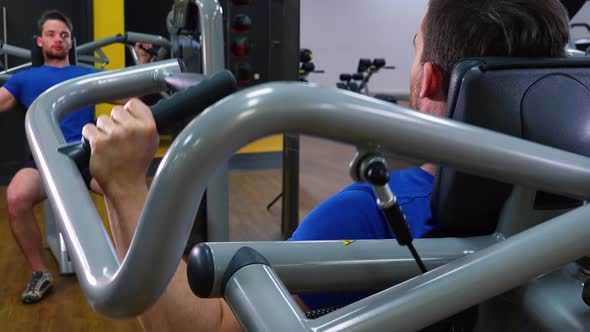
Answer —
(243, 257)
(194, 100)
(181, 105)
(200, 270)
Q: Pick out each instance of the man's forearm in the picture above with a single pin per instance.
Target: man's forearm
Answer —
(124, 210)
(177, 309)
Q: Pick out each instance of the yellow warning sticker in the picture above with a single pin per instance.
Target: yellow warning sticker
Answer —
(347, 242)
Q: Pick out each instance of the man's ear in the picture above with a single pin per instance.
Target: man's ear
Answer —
(39, 42)
(431, 81)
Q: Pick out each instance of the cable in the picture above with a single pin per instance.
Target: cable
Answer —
(376, 173)
(417, 258)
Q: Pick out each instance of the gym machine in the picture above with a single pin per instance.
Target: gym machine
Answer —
(526, 262)
(531, 258)
(359, 81)
(306, 66)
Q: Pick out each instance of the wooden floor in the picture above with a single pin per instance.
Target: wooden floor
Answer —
(323, 171)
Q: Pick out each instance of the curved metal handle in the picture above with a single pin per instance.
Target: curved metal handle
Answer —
(133, 37)
(88, 243)
(111, 287)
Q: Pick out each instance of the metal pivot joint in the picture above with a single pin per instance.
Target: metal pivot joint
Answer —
(373, 169)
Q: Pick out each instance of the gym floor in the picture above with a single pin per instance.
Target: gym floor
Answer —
(323, 172)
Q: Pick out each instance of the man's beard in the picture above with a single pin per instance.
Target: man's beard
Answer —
(414, 91)
(55, 56)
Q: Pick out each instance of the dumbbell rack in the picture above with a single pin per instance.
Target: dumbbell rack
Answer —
(262, 45)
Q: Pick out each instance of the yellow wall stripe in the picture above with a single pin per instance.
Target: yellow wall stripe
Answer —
(109, 20)
(268, 144)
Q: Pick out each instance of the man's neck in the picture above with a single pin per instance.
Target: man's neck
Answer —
(60, 63)
(438, 107)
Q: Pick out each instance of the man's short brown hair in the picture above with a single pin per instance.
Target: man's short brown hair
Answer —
(458, 29)
(53, 14)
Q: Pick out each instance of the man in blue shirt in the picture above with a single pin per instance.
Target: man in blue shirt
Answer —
(450, 31)
(353, 214)
(26, 189)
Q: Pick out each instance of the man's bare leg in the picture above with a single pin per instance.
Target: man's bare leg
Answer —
(23, 193)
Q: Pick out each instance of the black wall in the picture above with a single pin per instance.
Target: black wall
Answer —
(147, 16)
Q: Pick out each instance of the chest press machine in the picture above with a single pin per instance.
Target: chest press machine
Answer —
(526, 249)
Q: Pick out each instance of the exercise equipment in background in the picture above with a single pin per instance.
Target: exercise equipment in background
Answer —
(359, 81)
(306, 66)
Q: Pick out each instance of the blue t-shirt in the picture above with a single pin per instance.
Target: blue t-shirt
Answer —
(353, 214)
(28, 84)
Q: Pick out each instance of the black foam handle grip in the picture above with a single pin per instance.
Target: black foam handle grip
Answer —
(181, 105)
(194, 100)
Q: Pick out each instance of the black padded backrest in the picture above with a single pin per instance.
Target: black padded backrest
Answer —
(543, 100)
(37, 53)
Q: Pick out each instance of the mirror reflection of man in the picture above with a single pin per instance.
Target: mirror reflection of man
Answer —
(26, 189)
